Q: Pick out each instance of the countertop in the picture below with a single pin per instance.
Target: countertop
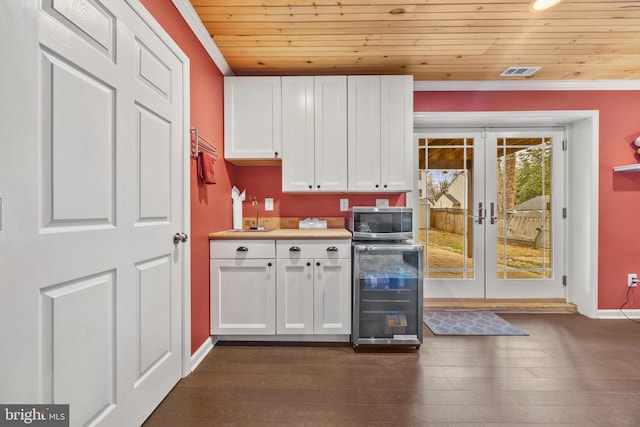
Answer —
(283, 233)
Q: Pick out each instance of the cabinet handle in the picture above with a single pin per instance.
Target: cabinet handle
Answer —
(332, 249)
(294, 249)
(242, 249)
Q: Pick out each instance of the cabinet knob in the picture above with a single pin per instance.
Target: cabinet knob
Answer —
(310, 187)
(377, 186)
(332, 249)
(318, 186)
(275, 154)
(385, 186)
(242, 249)
(269, 264)
(318, 263)
(308, 264)
(294, 249)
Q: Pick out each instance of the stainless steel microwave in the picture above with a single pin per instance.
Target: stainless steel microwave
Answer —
(389, 223)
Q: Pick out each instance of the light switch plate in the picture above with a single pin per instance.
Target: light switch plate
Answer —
(382, 203)
(344, 205)
(268, 204)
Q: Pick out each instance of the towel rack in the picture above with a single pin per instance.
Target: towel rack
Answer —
(201, 144)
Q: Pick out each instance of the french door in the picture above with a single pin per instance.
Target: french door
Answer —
(491, 213)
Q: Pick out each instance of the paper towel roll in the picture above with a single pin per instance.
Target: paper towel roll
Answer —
(237, 215)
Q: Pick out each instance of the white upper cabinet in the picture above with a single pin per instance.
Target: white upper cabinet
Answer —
(314, 111)
(380, 133)
(396, 133)
(364, 133)
(252, 119)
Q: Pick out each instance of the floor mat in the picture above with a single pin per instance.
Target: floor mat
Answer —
(468, 323)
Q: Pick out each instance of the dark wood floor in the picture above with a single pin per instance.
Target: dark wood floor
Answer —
(569, 371)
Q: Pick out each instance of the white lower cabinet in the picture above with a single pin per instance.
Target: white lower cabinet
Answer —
(243, 287)
(313, 287)
(281, 287)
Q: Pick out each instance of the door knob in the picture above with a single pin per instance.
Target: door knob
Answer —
(179, 237)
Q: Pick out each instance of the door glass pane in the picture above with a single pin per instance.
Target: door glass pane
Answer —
(445, 207)
(523, 211)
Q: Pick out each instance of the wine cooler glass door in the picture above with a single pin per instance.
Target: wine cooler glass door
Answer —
(387, 294)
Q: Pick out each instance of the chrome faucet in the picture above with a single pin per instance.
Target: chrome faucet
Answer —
(254, 202)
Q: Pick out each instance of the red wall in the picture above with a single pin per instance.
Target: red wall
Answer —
(266, 181)
(619, 232)
(210, 204)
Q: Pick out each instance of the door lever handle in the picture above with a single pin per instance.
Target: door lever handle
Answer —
(480, 213)
(492, 212)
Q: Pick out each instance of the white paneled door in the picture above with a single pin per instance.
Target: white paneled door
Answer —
(91, 188)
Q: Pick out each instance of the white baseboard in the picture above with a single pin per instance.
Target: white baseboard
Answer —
(617, 314)
(201, 353)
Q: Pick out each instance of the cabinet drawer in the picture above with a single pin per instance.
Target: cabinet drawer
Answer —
(242, 249)
(296, 249)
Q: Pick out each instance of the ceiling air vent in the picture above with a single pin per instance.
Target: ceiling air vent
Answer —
(519, 71)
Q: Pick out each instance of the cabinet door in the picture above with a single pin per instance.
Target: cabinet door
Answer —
(294, 298)
(330, 133)
(364, 133)
(252, 118)
(297, 135)
(243, 297)
(396, 127)
(332, 296)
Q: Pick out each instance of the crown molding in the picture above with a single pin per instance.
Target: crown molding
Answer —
(495, 85)
(193, 21)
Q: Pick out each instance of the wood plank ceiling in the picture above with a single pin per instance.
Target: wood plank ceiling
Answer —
(431, 39)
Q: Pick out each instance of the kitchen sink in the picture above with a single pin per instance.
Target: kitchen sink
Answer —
(254, 230)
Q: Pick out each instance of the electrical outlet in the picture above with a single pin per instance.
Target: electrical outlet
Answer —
(268, 204)
(344, 204)
(632, 280)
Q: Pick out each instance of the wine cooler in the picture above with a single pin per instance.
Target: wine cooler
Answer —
(387, 293)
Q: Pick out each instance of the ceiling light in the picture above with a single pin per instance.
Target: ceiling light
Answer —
(544, 4)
